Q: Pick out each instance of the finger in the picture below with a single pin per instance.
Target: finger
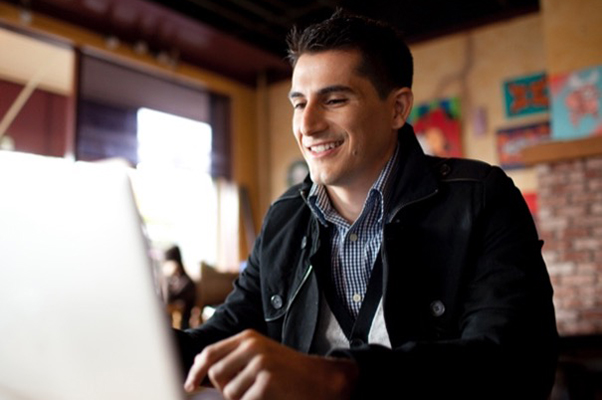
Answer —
(259, 388)
(196, 374)
(246, 368)
(205, 359)
(249, 347)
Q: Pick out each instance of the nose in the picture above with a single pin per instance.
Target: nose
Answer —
(311, 120)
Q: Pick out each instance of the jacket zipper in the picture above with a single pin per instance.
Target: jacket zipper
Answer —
(290, 303)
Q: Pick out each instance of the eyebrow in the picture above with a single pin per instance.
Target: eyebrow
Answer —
(324, 91)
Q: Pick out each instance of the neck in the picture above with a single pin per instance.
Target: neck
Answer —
(349, 198)
(347, 202)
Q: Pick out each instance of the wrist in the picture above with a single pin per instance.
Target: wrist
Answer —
(344, 375)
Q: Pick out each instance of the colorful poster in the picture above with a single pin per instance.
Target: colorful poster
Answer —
(511, 142)
(576, 98)
(526, 95)
(437, 127)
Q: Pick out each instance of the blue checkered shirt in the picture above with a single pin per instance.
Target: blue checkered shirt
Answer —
(354, 247)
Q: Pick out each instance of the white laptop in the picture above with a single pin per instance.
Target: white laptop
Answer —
(80, 315)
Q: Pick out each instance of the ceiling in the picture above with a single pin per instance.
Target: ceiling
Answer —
(241, 38)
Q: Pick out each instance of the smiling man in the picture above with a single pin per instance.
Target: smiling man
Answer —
(344, 129)
(386, 271)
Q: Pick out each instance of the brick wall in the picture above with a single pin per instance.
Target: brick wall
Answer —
(570, 223)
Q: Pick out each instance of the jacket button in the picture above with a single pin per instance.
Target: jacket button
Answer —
(444, 170)
(276, 301)
(437, 308)
(304, 242)
(355, 343)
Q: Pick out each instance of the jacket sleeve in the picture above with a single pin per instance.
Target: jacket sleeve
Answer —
(507, 342)
(249, 305)
(241, 310)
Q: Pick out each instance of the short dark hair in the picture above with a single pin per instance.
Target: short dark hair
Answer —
(173, 254)
(386, 58)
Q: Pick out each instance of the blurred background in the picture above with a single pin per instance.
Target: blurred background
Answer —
(192, 94)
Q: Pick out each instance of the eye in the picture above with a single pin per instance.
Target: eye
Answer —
(299, 105)
(336, 101)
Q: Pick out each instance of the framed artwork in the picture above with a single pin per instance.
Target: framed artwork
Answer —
(510, 142)
(576, 110)
(437, 127)
(526, 95)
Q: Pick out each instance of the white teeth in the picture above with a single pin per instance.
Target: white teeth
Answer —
(323, 147)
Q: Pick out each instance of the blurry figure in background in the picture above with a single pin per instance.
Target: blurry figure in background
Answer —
(180, 293)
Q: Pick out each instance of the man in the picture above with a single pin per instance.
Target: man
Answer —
(180, 289)
(388, 273)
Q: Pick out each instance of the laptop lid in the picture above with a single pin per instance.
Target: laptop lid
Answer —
(80, 315)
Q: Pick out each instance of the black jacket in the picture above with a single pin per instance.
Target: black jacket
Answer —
(467, 298)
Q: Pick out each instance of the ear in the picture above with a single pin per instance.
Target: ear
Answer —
(402, 100)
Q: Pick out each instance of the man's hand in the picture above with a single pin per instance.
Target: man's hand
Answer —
(250, 366)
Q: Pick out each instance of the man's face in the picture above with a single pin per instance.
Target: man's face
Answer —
(344, 130)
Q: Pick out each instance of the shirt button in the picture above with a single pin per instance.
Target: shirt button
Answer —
(437, 308)
(304, 242)
(353, 237)
(276, 301)
(357, 298)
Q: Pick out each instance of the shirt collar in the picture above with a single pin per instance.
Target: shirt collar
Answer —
(322, 208)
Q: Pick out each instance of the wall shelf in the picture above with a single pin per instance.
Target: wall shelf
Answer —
(562, 150)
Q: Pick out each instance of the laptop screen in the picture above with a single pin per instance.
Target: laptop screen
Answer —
(80, 315)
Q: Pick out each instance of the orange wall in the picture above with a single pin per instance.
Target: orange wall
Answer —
(283, 147)
(473, 66)
(573, 34)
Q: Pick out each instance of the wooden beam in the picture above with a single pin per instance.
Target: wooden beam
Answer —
(562, 150)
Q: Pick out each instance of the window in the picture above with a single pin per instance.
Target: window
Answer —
(175, 192)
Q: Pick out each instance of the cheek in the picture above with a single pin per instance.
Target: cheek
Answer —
(296, 132)
(298, 139)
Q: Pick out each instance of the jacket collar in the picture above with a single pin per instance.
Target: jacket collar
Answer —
(413, 179)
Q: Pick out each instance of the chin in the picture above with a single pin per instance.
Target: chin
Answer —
(325, 176)
(317, 177)
(324, 179)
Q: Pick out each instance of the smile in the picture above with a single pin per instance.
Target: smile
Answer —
(320, 148)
